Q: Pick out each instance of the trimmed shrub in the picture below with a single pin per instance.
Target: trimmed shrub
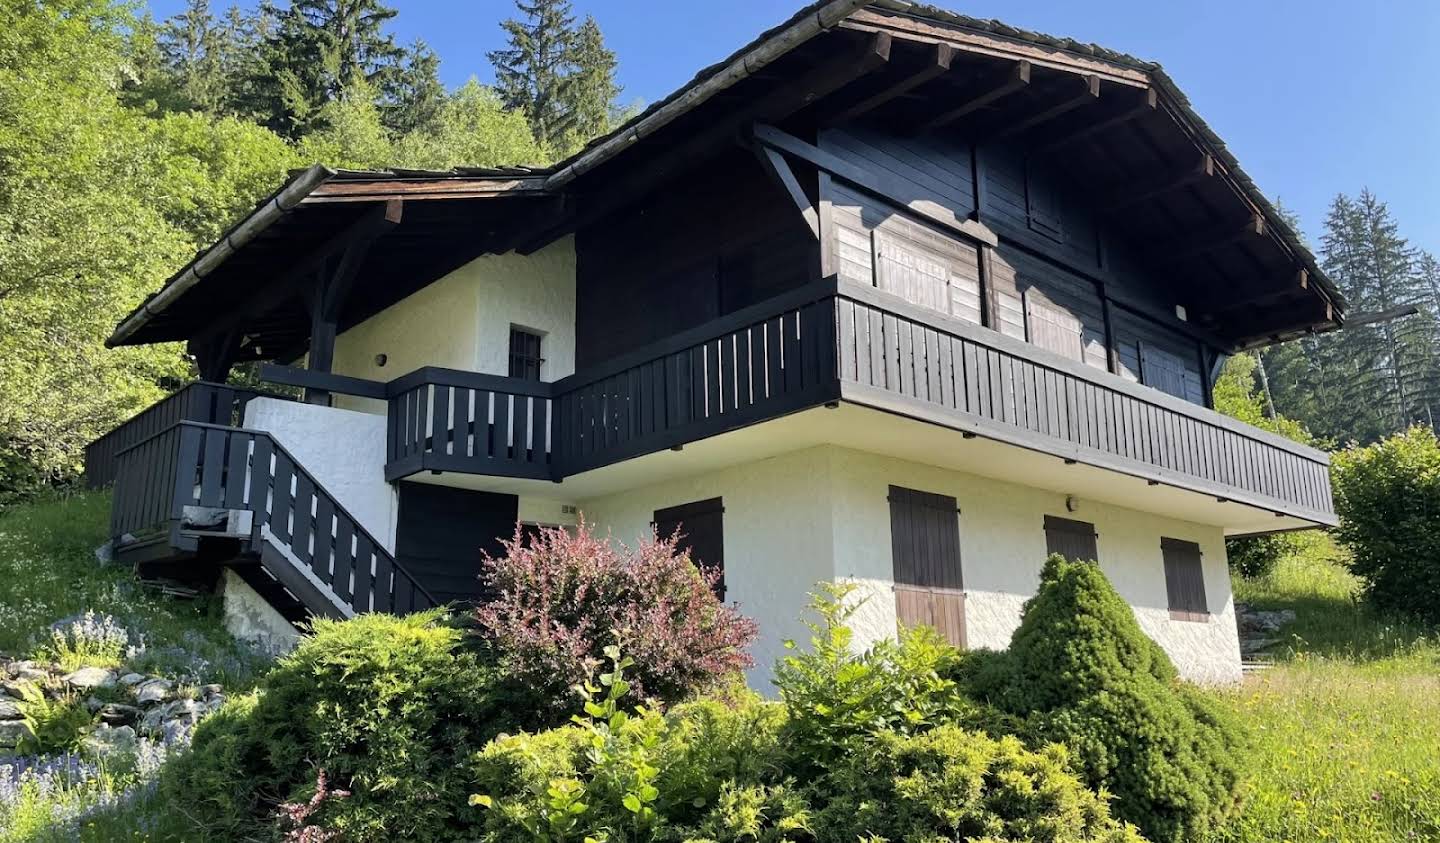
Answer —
(950, 784)
(1081, 672)
(560, 598)
(1388, 498)
(391, 708)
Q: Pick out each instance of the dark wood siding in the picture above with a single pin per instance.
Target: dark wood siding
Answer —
(1184, 579)
(925, 549)
(442, 532)
(701, 526)
(716, 240)
(1070, 538)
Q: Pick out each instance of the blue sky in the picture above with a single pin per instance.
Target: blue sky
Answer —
(1315, 97)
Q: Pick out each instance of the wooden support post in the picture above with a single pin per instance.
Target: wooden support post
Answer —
(215, 353)
(775, 165)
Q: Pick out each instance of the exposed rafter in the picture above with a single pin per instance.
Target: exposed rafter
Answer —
(999, 86)
(1146, 106)
(1132, 194)
(937, 65)
(1289, 288)
(1086, 91)
(1195, 244)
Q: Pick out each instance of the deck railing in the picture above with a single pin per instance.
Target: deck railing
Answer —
(194, 472)
(901, 357)
(201, 401)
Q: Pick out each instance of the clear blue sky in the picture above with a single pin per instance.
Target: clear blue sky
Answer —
(1315, 97)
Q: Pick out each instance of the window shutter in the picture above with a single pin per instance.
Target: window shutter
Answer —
(925, 550)
(1162, 370)
(1042, 206)
(1184, 580)
(702, 534)
(912, 273)
(1071, 539)
(1051, 328)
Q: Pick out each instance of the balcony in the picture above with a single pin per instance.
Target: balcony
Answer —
(837, 342)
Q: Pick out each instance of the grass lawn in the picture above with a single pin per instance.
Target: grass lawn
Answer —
(1346, 727)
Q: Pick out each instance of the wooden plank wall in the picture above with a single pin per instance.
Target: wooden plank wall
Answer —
(712, 242)
(1044, 282)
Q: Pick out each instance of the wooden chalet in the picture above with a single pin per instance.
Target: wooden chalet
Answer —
(890, 295)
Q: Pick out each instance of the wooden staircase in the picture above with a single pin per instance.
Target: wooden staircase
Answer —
(197, 497)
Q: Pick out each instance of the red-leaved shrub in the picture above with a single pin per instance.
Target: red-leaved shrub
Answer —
(559, 598)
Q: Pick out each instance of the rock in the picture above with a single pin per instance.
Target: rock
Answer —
(9, 710)
(175, 731)
(1250, 646)
(105, 553)
(14, 732)
(215, 703)
(108, 740)
(32, 674)
(150, 723)
(87, 678)
(209, 690)
(131, 679)
(189, 710)
(93, 704)
(119, 714)
(17, 688)
(153, 691)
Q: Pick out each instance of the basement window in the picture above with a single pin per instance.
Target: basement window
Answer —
(1184, 580)
(525, 359)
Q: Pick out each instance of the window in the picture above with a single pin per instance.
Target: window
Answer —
(925, 549)
(1184, 580)
(702, 534)
(525, 356)
(1071, 539)
(1042, 206)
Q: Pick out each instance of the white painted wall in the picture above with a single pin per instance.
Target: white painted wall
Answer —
(462, 321)
(344, 450)
(1002, 547)
(822, 513)
(250, 618)
(777, 538)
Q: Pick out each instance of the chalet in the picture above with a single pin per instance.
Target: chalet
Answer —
(891, 295)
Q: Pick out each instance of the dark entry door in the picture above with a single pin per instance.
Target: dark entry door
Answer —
(442, 532)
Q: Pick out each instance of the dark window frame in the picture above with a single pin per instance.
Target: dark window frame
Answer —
(1184, 566)
(1042, 204)
(526, 359)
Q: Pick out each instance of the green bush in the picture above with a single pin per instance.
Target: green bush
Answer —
(1388, 498)
(391, 708)
(950, 784)
(1080, 672)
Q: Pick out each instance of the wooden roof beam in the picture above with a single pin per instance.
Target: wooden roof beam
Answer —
(1149, 101)
(779, 171)
(1088, 93)
(938, 64)
(1196, 244)
(1015, 77)
(1297, 284)
(1132, 194)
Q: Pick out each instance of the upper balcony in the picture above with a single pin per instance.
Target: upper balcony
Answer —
(835, 344)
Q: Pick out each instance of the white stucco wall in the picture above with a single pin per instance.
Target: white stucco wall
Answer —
(822, 513)
(344, 450)
(777, 538)
(1002, 548)
(462, 321)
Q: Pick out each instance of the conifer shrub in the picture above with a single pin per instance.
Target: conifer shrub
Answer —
(1388, 498)
(560, 598)
(1081, 672)
(390, 708)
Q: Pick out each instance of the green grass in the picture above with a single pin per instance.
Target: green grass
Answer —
(48, 573)
(1346, 728)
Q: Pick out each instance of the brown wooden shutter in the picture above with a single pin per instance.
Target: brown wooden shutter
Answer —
(702, 534)
(1184, 580)
(925, 550)
(1071, 539)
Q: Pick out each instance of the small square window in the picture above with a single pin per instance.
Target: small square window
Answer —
(525, 359)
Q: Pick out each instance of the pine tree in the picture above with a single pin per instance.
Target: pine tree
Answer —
(319, 49)
(190, 45)
(562, 77)
(415, 96)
